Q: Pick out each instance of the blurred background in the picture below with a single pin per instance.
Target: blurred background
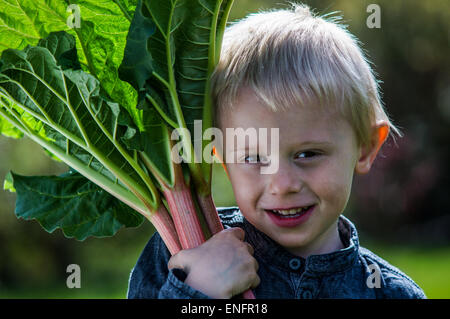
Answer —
(401, 208)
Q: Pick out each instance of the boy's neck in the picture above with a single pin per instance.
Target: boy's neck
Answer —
(328, 242)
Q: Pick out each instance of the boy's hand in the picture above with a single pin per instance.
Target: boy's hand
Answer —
(221, 267)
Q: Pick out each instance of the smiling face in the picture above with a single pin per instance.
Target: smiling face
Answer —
(316, 157)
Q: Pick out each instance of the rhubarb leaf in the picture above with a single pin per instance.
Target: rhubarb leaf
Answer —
(145, 56)
(99, 26)
(172, 49)
(9, 130)
(136, 67)
(82, 126)
(8, 184)
(154, 145)
(72, 203)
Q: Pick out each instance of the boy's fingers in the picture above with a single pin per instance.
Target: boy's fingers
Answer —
(255, 282)
(238, 232)
(251, 284)
(256, 265)
(235, 232)
(176, 260)
(250, 248)
(172, 262)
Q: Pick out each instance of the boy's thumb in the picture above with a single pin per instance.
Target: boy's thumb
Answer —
(178, 260)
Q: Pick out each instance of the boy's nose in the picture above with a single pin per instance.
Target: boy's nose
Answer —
(284, 181)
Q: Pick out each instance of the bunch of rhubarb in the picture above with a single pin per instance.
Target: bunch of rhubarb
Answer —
(105, 87)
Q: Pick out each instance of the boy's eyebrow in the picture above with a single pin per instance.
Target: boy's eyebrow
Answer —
(245, 149)
(301, 144)
(318, 143)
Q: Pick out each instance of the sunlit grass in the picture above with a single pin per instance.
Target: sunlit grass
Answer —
(64, 294)
(429, 267)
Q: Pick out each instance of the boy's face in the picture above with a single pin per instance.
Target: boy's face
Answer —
(316, 158)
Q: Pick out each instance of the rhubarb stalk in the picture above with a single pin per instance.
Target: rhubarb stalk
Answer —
(209, 211)
(164, 225)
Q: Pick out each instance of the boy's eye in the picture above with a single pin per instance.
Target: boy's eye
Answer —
(307, 154)
(257, 159)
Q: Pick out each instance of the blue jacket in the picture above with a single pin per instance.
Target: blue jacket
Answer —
(352, 272)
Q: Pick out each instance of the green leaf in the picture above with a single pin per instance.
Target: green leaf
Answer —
(136, 67)
(9, 130)
(8, 184)
(62, 47)
(182, 43)
(66, 95)
(100, 38)
(201, 39)
(72, 203)
(183, 50)
(141, 60)
(82, 126)
(154, 144)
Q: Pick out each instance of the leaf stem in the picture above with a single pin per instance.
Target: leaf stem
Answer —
(8, 96)
(181, 205)
(15, 115)
(122, 150)
(114, 189)
(125, 13)
(222, 26)
(124, 178)
(195, 169)
(209, 211)
(66, 102)
(73, 113)
(61, 130)
(163, 114)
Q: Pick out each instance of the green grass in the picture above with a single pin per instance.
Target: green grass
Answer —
(428, 267)
(63, 294)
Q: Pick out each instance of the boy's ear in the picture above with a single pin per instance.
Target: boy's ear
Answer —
(369, 152)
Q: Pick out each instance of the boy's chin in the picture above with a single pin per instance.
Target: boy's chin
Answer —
(302, 242)
(311, 241)
(297, 245)
(290, 240)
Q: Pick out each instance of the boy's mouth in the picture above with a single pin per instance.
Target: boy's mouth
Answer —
(290, 212)
(290, 217)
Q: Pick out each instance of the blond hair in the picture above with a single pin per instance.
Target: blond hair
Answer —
(292, 57)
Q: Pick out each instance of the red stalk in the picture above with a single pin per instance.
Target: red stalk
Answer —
(188, 224)
(184, 215)
(209, 210)
(163, 223)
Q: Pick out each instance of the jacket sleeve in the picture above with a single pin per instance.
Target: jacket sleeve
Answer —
(394, 283)
(151, 279)
(400, 286)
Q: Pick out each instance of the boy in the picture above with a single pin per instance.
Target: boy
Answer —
(306, 76)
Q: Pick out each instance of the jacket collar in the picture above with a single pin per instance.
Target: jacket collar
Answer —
(274, 254)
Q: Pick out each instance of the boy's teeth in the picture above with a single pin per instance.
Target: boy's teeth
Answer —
(291, 211)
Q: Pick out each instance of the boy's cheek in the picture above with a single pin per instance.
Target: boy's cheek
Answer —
(237, 178)
(331, 186)
(336, 196)
(245, 188)
(240, 173)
